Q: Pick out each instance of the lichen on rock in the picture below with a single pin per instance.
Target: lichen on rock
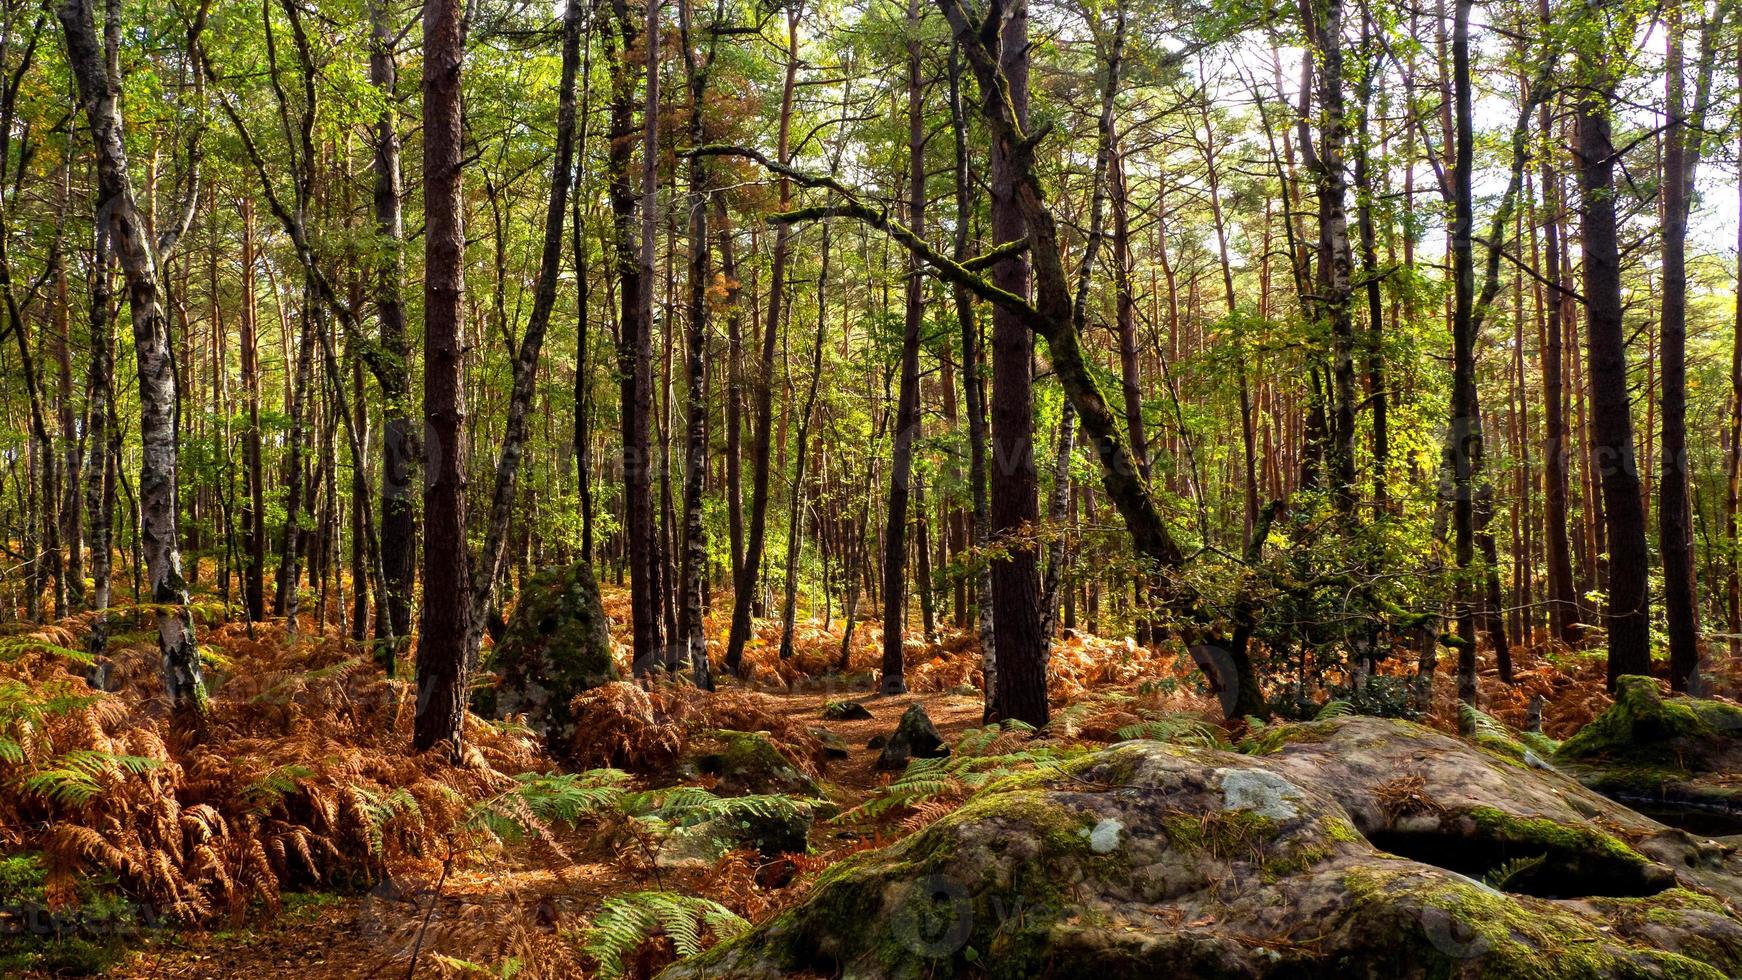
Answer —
(1151, 859)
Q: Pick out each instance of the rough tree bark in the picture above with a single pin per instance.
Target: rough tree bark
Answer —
(907, 418)
(441, 656)
(1629, 604)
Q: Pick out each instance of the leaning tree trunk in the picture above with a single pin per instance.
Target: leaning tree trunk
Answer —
(525, 376)
(972, 391)
(117, 209)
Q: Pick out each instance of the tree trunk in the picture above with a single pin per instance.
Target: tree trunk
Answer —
(744, 589)
(1021, 691)
(399, 441)
(907, 418)
(441, 658)
(526, 358)
(1464, 447)
(1629, 610)
(634, 353)
(97, 79)
(1681, 163)
(1563, 605)
(972, 390)
(691, 633)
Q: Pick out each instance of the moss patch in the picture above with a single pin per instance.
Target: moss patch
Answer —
(1464, 929)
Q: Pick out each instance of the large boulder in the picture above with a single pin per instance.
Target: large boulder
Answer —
(557, 645)
(1679, 758)
(1357, 847)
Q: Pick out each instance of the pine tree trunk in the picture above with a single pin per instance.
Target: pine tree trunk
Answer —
(745, 588)
(441, 657)
(692, 634)
(1021, 691)
(907, 418)
(1629, 611)
(1563, 605)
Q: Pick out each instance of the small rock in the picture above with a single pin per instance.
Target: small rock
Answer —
(833, 747)
(1105, 837)
(877, 742)
(845, 710)
(915, 737)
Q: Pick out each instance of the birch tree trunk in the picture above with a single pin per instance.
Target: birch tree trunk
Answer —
(97, 79)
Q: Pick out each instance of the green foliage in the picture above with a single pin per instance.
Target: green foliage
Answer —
(80, 776)
(976, 762)
(537, 801)
(1180, 729)
(1512, 870)
(627, 921)
(381, 808)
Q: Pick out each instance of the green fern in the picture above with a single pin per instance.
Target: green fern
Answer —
(16, 646)
(381, 809)
(77, 777)
(979, 741)
(508, 969)
(1179, 729)
(1511, 871)
(627, 921)
(954, 775)
(685, 806)
(538, 801)
(277, 783)
(1334, 709)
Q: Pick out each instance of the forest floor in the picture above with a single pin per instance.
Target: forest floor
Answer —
(300, 798)
(323, 935)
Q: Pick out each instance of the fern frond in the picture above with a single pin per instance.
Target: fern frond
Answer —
(1334, 709)
(627, 921)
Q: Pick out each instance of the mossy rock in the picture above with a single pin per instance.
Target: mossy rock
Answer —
(1150, 859)
(915, 737)
(1666, 753)
(701, 845)
(845, 710)
(748, 763)
(557, 645)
